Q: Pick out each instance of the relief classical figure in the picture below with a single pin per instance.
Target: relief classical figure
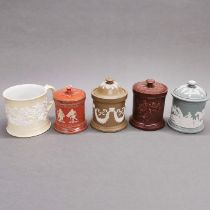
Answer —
(188, 121)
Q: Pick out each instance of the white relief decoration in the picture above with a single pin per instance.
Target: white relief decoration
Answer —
(72, 115)
(99, 114)
(60, 115)
(27, 115)
(119, 112)
(186, 121)
(102, 116)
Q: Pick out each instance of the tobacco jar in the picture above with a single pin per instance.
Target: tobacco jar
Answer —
(109, 107)
(148, 105)
(188, 107)
(70, 110)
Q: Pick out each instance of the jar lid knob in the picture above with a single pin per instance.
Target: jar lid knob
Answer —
(192, 83)
(150, 83)
(109, 80)
(69, 89)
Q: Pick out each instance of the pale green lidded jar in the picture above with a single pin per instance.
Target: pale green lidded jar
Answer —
(188, 108)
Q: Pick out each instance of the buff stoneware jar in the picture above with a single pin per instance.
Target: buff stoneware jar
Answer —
(148, 105)
(70, 110)
(188, 107)
(27, 109)
(109, 107)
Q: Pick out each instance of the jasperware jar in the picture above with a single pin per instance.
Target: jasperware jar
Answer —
(148, 105)
(188, 108)
(109, 107)
(70, 110)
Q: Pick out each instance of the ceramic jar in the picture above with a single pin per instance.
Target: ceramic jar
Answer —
(148, 105)
(27, 109)
(188, 108)
(70, 110)
(109, 107)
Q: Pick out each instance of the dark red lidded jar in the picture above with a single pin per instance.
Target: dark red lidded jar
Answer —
(148, 105)
(70, 110)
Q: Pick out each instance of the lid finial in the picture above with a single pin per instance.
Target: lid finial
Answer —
(68, 89)
(150, 83)
(109, 80)
(192, 83)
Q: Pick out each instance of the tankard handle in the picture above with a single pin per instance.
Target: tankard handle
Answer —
(50, 103)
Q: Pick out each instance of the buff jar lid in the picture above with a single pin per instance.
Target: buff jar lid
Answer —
(69, 94)
(191, 92)
(150, 87)
(109, 89)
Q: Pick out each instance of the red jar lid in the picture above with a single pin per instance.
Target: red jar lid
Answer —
(150, 87)
(69, 94)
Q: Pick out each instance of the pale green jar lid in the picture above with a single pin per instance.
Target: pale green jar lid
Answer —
(191, 92)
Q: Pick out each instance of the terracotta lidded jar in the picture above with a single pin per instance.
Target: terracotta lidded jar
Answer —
(70, 110)
(109, 107)
(187, 112)
(148, 105)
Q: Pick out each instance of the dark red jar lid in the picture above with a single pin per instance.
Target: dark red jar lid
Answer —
(150, 87)
(69, 94)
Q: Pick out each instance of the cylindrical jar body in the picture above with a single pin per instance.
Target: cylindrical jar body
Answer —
(70, 117)
(148, 111)
(109, 115)
(187, 117)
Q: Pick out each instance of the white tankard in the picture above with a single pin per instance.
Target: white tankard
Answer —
(27, 109)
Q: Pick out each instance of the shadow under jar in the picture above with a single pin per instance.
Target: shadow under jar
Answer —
(70, 110)
(109, 107)
(148, 105)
